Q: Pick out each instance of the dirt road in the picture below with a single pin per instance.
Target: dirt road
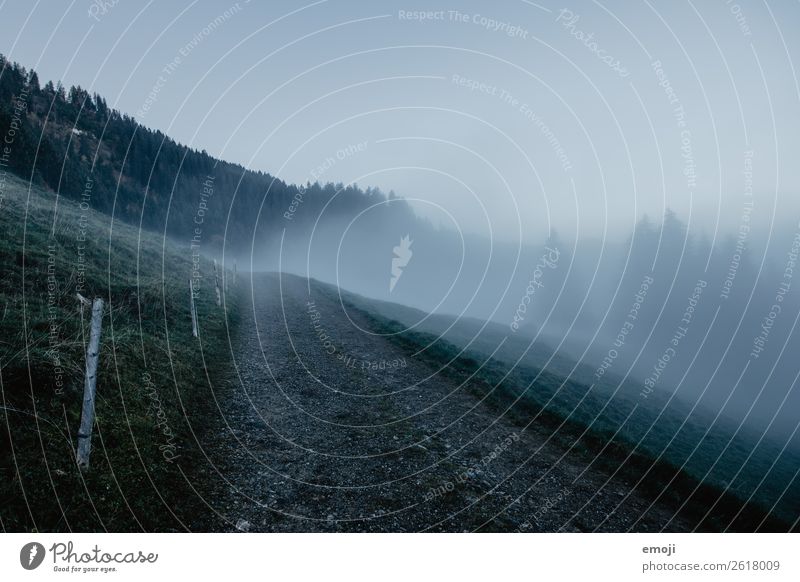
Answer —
(329, 427)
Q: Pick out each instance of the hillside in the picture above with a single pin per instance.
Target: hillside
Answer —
(668, 446)
(92, 202)
(667, 426)
(154, 387)
(65, 139)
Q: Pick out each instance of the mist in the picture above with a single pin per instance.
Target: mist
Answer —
(711, 323)
(399, 267)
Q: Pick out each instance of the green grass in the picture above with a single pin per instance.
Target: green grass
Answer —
(506, 392)
(155, 381)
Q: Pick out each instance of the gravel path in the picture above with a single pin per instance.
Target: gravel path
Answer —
(331, 428)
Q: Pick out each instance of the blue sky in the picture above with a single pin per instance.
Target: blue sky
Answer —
(505, 118)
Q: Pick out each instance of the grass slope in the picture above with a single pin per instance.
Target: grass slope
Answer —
(522, 393)
(154, 393)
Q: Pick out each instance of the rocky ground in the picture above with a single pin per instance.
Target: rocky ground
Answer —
(329, 427)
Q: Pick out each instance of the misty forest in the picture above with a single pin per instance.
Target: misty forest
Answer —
(287, 354)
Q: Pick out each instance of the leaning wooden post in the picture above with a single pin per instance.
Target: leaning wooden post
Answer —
(192, 308)
(216, 283)
(89, 387)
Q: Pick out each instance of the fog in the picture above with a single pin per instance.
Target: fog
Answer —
(503, 131)
(595, 204)
(712, 322)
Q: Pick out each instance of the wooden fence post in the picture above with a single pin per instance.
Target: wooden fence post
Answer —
(216, 283)
(89, 387)
(192, 308)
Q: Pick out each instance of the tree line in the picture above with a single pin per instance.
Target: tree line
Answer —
(72, 143)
